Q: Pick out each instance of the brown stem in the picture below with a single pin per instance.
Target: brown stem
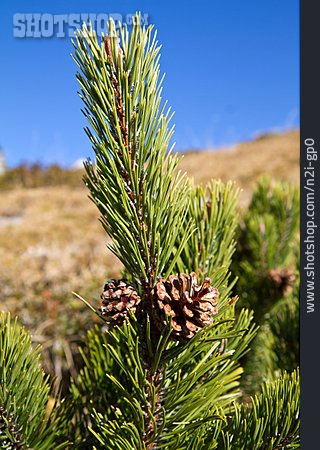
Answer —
(125, 137)
(147, 284)
(154, 379)
(117, 92)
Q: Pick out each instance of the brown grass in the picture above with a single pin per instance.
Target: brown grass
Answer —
(276, 155)
(54, 246)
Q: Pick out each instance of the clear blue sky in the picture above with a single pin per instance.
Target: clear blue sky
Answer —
(231, 73)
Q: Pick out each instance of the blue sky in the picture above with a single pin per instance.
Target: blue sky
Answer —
(232, 72)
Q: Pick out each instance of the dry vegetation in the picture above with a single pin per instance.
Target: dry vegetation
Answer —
(51, 242)
(276, 155)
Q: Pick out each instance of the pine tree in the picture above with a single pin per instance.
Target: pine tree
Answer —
(165, 370)
(166, 374)
(267, 266)
(266, 259)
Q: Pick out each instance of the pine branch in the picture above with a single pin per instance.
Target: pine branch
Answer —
(276, 346)
(266, 257)
(114, 401)
(24, 393)
(134, 178)
(115, 389)
(164, 382)
(209, 251)
(271, 422)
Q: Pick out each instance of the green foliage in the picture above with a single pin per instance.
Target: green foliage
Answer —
(141, 197)
(203, 379)
(267, 263)
(276, 346)
(270, 422)
(139, 389)
(115, 402)
(208, 252)
(24, 392)
(267, 240)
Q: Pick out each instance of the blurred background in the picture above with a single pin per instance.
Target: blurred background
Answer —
(232, 76)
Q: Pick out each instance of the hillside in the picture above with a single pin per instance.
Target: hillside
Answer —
(276, 155)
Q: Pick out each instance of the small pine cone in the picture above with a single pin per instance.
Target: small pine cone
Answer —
(190, 306)
(119, 297)
(282, 281)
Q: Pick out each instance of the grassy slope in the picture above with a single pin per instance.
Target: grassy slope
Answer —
(276, 155)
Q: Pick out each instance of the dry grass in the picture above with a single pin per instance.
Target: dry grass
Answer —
(51, 243)
(276, 155)
(57, 240)
(54, 246)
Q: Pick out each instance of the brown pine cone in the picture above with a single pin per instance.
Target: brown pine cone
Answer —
(119, 297)
(282, 281)
(190, 306)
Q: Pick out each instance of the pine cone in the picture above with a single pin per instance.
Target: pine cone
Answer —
(119, 297)
(282, 281)
(190, 306)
